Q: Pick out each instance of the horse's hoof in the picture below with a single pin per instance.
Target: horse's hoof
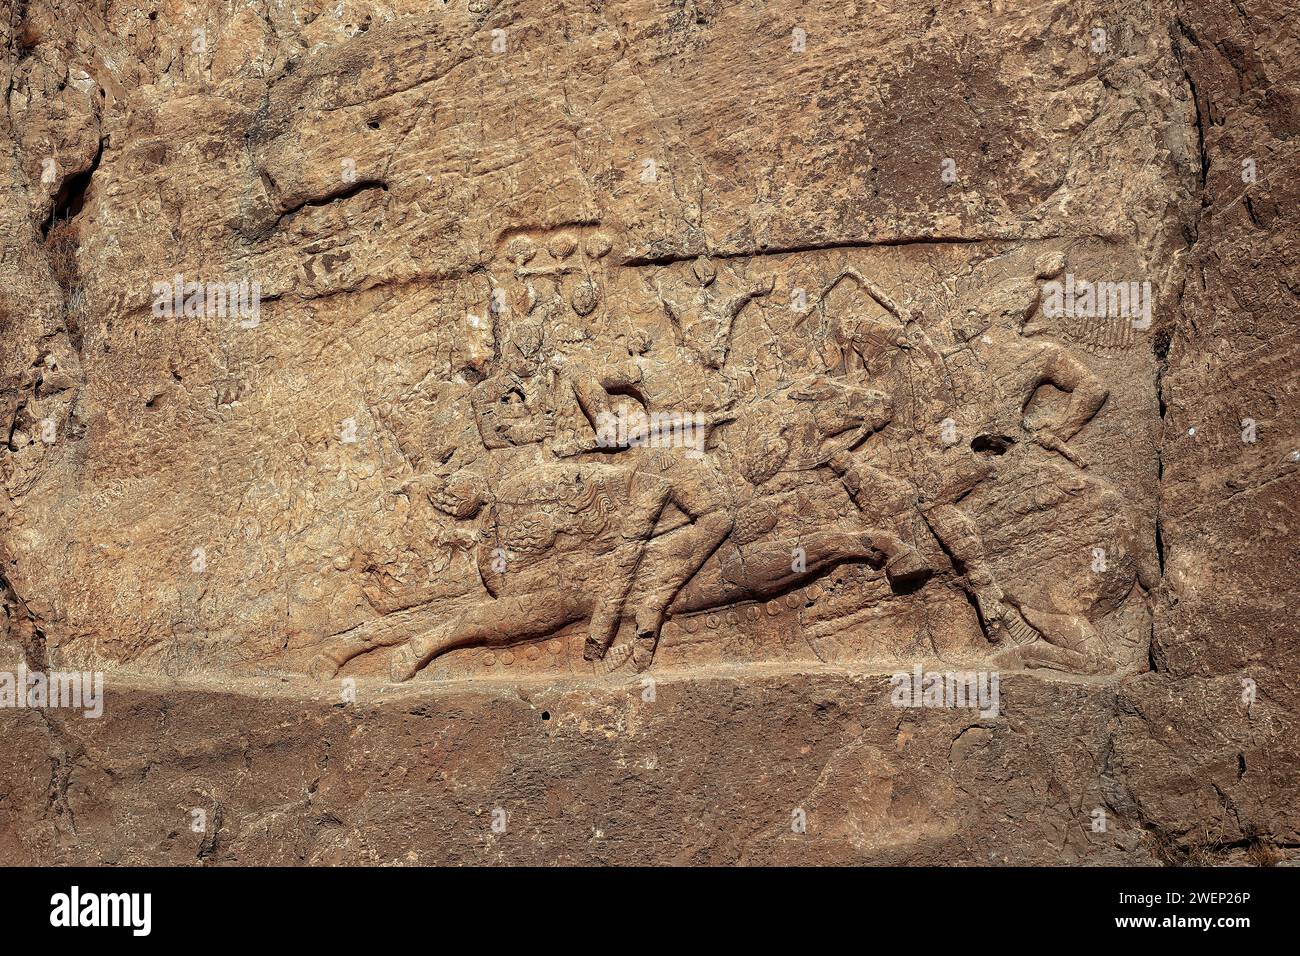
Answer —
(642, 656)
(1010, 659)
(648, 623)
(322, 668)
(601, 631)
(404, 665)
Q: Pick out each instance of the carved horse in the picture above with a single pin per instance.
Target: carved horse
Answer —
(653, 516)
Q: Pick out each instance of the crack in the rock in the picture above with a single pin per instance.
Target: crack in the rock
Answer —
(71, 197)
(848, 244)
(360, 186)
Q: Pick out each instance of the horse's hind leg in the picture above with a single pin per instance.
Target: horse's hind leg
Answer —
(382, 632)
(507, 620)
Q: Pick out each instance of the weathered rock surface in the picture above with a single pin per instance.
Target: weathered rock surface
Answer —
(536, 432)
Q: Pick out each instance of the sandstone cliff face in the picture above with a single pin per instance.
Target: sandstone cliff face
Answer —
(538, 432)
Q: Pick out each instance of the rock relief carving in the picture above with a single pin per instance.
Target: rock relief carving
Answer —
(889, 435)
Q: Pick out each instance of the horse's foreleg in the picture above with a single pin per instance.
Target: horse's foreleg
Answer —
(650, 495)
(686, 551)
